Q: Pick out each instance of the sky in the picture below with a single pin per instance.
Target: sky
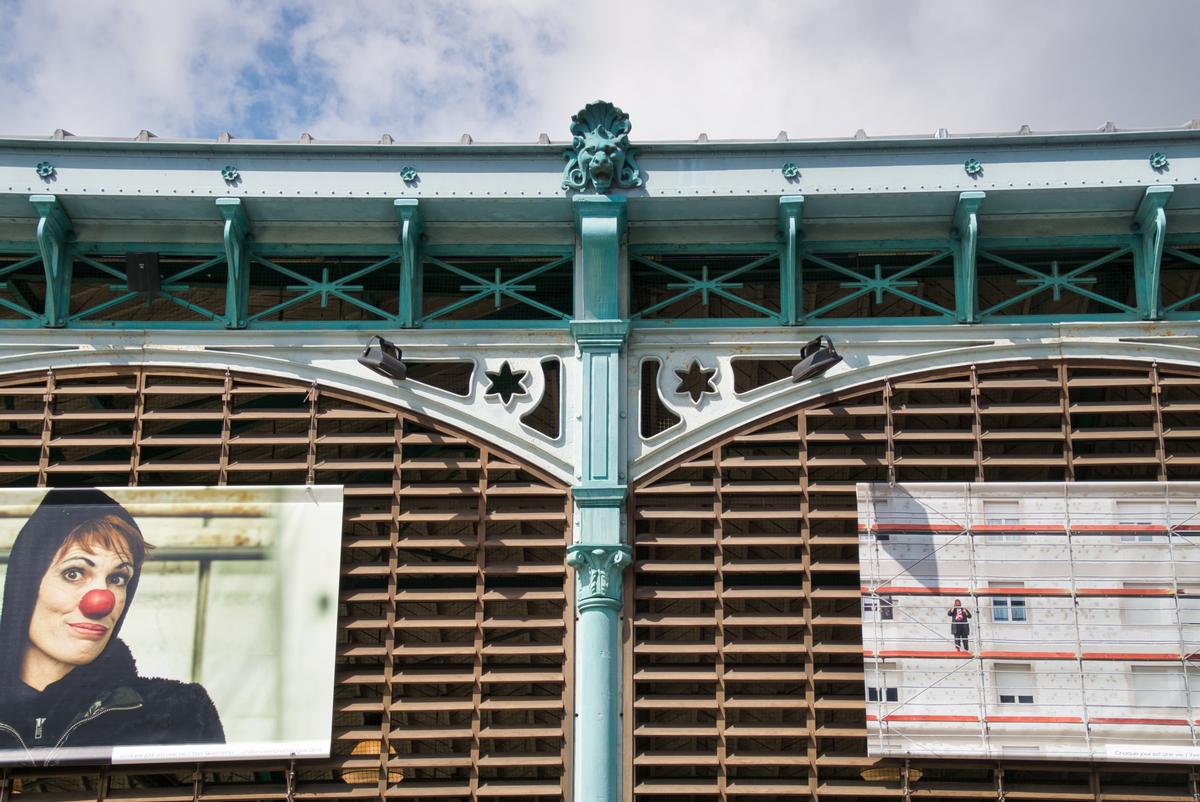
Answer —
(508, 70)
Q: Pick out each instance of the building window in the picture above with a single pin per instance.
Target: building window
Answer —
(1148, 611)
(1139, 513)
(883, 682)
(1002, 512)
(1014, 683)
(1156, 686)
(1009, 609)
(882, 605)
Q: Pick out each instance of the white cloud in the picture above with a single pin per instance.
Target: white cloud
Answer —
(509, 70)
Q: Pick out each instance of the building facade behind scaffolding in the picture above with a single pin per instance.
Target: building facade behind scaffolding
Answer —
(680, 455)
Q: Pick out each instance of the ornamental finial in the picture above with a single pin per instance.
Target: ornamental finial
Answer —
(600, 153)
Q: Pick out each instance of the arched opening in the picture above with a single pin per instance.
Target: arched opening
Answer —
(745, 646)
(454, 635)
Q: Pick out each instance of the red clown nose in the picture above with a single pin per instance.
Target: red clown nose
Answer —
(97, 603)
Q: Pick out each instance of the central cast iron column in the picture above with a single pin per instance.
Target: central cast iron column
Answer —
(599, 556)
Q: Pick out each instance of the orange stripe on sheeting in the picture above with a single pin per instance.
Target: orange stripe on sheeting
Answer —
(913, 527)
(1130, 655)
(1017, 591)
(872, 717)
(910, 653)
(1036, 719)
(1032, 655)
(899, 590)
(895, 717)
(1124, 592)
(1118, 528)
(1173, 722)
(1057, 528)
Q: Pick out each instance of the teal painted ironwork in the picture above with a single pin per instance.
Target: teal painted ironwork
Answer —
(19, 303)
(791, 297)
(966, 228)
(408, 174)
(1158, 161)
(53, 231)
(879, 284)
(44, 169)
(600, 555)
(790, 170)
(705, 285)
(323, 288)
(230, 173)
(236, 233)
(599, 596)
(1150, 228)
(170, 288)
(409, 212)
(1179, 307)
(497, 288)
(600, 154)
(1057, 282)
(973, 168)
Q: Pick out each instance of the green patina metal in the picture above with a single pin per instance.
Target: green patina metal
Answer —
(1057, 282)
(19, 302)
(1150, 228)
(973, 167)
(600, 154)
(600, 555)
(408, 174)
(516, 288)
(53, 232)
(409, 212)
(235, 234)
(44, 169)
(1158, 161)
(230, 173)
(791, 299)
(790, 170)
(966, 228)
(708, 283)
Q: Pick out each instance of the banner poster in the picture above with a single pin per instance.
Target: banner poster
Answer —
(1038, 620)
(151, 624)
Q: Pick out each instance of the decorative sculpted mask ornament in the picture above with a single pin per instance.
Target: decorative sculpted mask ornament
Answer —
(601, 153)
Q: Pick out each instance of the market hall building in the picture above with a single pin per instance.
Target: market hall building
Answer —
(600, 408)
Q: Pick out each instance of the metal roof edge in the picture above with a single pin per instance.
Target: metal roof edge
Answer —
(711, 147)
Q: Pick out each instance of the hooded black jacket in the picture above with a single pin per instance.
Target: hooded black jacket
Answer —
(96, 706)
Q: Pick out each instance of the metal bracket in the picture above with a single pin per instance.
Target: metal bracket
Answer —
(237, 232)
(54, 231)
(966, 230)
(409, 212)
(791, 283)
(1150, 226)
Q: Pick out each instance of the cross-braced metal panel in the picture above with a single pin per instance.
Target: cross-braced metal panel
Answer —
(746, 669)
(1053, 284)
(878, 284)
(191, 289)
(292, 287)
(22, 288)
(1181, 280)
(667, 284)
(454, 640)
(459, 288)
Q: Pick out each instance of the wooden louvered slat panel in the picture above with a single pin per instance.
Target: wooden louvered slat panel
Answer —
(751, 683)
(418, 668)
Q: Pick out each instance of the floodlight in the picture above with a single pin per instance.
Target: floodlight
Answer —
(383, 357)
(816, 357)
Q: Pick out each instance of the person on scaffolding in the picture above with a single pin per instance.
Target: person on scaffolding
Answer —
(960, 626)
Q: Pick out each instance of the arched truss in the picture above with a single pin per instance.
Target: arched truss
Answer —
(745, 650)
(454, 638)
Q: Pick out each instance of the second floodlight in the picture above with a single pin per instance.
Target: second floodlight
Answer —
(816, 357)
(383, 357)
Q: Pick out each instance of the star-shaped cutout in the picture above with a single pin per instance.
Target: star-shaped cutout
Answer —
(506, 382)
(696, 381)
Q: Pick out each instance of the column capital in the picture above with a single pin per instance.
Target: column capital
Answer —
(611, 206)
(600, 335)
(598, 572)
(599, 495)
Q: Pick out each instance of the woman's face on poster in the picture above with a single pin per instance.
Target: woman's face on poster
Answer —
(65, 627)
